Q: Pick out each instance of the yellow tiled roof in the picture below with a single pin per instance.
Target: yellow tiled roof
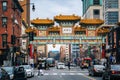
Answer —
(102, 31)
(67, 17)
(91, 21)
(55, 28)
(42, 21)
(29, 29)
(79, 29)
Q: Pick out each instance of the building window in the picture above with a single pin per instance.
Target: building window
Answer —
(4, 5)
(96, 13)
(96, 2)
(4, 21)
(4, 40)
(112, 17)
(112, 4)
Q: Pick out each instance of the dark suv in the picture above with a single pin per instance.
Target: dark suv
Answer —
(20, 73)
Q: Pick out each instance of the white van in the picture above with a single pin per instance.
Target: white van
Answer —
(60, 65)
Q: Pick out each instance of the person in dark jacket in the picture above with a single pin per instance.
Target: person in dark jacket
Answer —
(39, 68)
(69, 65)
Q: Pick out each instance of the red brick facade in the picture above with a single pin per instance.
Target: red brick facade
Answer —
(14, 21)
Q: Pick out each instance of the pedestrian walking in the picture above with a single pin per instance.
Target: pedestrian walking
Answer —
(69, 65)
(40, 71)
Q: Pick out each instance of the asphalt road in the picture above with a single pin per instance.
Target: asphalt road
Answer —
(64, 74)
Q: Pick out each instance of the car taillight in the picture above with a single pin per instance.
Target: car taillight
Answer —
(115, 72)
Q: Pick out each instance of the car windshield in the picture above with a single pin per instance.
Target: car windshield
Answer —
(99, 66)
(9, 69)
(115, 67)
(27, 66)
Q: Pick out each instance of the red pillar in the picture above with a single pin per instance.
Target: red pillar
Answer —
(31, 51)
(103, 50)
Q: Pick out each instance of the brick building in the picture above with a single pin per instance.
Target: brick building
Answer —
(10, 24)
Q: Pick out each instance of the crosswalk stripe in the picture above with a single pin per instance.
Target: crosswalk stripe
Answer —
(63, 74)
(46, 73)
(54, 73)
(72, 73)
(80, 74)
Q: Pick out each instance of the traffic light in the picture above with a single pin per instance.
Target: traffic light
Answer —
(31, 36)
(13, 39)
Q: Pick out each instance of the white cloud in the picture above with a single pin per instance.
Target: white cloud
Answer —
(51, 8)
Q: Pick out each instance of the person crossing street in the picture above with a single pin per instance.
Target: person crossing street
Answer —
(69, 65)
(40, 72)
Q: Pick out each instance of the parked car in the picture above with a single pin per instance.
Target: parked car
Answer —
(96, 70)
(4, 75)
(112, 73)
(29, 70)
(10, 71)
(20, 73)
(60, 65)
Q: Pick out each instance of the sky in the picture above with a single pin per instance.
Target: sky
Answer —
(50, 8)
(56, 48)
(50, 47)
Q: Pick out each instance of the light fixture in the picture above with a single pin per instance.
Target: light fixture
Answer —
(33, 7)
